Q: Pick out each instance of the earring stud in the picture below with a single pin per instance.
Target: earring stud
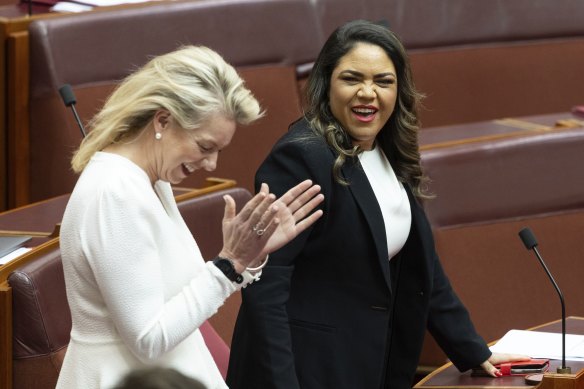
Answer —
(158, 136)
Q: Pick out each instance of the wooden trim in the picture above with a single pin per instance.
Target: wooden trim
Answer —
(527, 129)
(5, 336)
(18, 161)
(38, 234)
(6, 332)
(212, 184)
(570, 379)
(25, 258)
(30, 205)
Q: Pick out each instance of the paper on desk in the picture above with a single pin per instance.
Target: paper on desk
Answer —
(15, 254)
(67, 6)
(109, 3)
(541, 345)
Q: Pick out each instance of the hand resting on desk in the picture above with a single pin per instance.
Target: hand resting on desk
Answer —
(497, 358)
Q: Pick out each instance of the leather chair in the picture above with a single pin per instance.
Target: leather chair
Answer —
(490, 178)
(490, 170)
(38, 314)
(203, 215)
(501, 283)
(93, 51)
(41, 321)
(492, 59)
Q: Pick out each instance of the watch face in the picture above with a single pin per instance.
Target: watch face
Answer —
(226, 266)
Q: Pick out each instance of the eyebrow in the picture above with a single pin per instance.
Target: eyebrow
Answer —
(356, 73)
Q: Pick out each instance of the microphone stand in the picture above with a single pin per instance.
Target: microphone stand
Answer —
(563, 369)
(531, 244)
(69, 100)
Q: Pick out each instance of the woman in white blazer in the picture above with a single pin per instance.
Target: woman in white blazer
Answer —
(137, 285)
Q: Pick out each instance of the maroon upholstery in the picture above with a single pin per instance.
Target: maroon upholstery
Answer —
(93, 51)
(482, 189)
(218, 348)
(487, 81)
(333, 13)
(501, 283)
(451, 55)
(39, 217)
(204, 216)
(502, 58)
(427, 24)
(41, 322)
(503, 178)
(41, 316)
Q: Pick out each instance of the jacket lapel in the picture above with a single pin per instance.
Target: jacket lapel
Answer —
(365, 198)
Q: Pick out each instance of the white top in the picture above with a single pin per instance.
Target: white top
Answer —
(137, 285)
(391, 196)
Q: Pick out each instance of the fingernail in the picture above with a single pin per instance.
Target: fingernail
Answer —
(498, 373)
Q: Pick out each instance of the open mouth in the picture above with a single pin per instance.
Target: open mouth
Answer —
(187, 168)
(363, 113)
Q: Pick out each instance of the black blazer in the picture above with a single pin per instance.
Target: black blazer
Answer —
(330, 310)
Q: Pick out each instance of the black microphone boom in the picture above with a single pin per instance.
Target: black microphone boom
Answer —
(69, 100)
(530, 243)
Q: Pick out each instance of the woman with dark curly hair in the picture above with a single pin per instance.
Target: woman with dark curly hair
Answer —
(346, 304)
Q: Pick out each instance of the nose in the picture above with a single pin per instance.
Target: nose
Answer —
(210, 163)
(366, 91)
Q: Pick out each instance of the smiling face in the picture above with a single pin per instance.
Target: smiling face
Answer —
(182, 151)
(363, 92)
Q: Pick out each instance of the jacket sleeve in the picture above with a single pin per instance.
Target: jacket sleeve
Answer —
(261, 353)
(450, 324)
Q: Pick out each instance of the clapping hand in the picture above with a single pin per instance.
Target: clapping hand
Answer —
(265, 223)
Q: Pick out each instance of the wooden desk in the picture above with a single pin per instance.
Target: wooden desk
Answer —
(42, 220)
(14, 96)
(448, 377)
(13, 21)
(499, 129)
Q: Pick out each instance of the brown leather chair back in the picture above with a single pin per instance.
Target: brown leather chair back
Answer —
(204, 215)
(503, 178)
(263, 39)
(503, 284)
(41, 321)
(433, 24)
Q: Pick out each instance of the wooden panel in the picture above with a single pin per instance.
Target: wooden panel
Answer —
(6, 309)
(18, 162)
(5, 336)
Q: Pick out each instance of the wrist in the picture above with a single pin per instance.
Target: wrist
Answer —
(259, 267)
(229, 269)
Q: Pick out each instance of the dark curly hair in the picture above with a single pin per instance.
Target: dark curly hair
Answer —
(399, 136)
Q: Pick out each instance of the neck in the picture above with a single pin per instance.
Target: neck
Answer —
(138, 150)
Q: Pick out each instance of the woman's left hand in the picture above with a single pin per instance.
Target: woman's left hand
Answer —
(294, 214)
(497, 358)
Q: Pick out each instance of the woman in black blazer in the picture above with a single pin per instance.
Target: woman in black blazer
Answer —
(346, 304)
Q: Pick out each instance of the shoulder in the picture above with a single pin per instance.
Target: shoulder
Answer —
(110, 181)
(300, 154)
(301, 141)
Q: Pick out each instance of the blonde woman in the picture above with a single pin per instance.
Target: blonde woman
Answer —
(137, 285)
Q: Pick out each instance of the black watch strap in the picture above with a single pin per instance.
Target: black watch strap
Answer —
(227, 268)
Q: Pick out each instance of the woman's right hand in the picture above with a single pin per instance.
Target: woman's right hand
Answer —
(266, 224)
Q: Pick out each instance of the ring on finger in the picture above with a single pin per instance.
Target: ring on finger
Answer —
(258, 229)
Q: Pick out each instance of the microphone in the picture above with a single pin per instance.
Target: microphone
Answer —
(69, 100)
(530, 243)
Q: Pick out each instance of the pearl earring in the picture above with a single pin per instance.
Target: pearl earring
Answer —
(158, 136)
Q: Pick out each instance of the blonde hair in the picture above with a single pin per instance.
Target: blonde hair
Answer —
(192, 83)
